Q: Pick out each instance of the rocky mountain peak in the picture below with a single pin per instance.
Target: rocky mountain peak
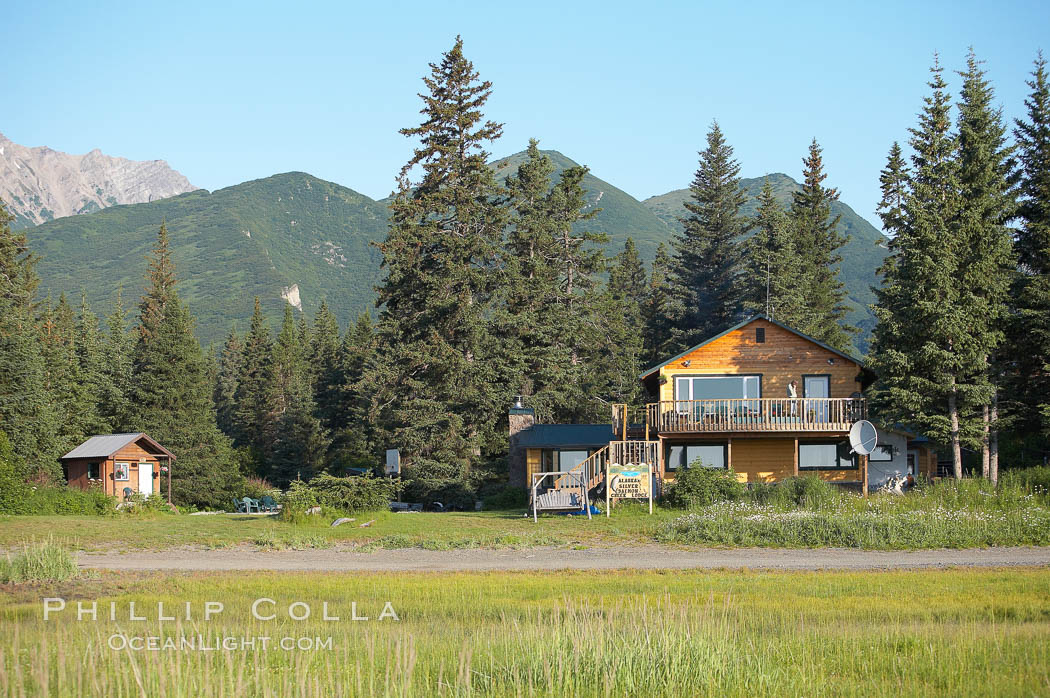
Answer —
(40, 184)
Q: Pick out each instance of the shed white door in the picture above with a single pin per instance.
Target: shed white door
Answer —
(146, 478)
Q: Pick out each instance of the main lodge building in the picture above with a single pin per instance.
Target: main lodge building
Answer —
(727, 402)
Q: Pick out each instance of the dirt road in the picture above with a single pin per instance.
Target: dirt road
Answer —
(598, 558)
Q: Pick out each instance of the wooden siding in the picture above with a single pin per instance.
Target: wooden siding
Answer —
(763, 460)
(142, 464)
(533, 461)
(783, 357)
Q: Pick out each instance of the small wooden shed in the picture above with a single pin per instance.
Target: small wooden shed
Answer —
(119, 462)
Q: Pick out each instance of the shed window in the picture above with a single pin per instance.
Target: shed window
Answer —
(760, 335)
(120, 471)
(92, 471)
(685, 455)
(825, 456)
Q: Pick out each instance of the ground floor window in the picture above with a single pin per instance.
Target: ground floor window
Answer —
(558, 460)
(93, 471)
(828, 455)
(121, 472)
(684, 455)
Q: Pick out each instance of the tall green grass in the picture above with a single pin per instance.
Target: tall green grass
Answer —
(43, 561)
(807, 512)
(952, 633)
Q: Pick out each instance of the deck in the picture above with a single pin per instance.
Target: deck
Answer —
(755, 415)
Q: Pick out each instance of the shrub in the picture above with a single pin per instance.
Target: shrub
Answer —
(1034, 480)
(451, 493)
(698, 486)
(506, 498)
(49, 500)
(808, 492)
(46, 561)
(346, 495)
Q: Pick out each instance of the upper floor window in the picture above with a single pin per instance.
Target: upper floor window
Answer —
(717, 387)
(760, 335)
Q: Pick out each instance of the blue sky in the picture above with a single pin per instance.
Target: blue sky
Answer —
(227, 92)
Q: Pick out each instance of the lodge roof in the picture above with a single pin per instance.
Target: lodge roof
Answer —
(734, 328)
(105, 445)
(565, 436)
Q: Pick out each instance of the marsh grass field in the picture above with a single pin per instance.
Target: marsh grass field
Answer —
(950, 632)
(799, 514)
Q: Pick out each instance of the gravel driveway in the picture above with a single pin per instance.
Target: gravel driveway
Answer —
(596, 558)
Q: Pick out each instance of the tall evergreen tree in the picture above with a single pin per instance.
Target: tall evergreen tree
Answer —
(434, 386)
(92, 359)
(355, 440)
(226, 381)
(624, 338)
(920, 340)
(656, 313)
(65, 387)
(26, 414)
(705, 269)
(773, 281)
(325, 365)
(253, 414)
(1030, 329)
(300, 442)
(817, 242)
(986, 261)
(172, 394)
(118, 347)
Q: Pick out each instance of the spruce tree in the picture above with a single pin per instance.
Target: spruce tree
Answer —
(706, 265)
(118, 347)
(817, 242)
(774, 282)
(1030, 328)
(434, 388)
(919, 347)
(172, 394)
(355, 441)
(657, 327)
(299, 441)
(92, 359)
(624, 336)
(986, 261)
(253, 415)
(325, 367)
(227, 378)
(26, 414)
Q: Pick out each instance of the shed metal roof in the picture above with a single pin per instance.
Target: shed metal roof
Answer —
(105, 445)
(566, 436)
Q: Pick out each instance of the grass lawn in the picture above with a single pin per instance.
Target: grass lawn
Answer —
(949, 632)
(431, 530)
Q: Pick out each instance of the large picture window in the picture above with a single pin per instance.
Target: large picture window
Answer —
(684, 455)
(717, 387)
(825, 456)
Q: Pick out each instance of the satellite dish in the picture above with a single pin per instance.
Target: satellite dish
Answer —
(863, 438)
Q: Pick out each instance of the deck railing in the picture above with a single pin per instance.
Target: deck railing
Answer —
(756, 414)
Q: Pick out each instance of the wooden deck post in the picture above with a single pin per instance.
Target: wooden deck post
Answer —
(795, 458)
(864, 466)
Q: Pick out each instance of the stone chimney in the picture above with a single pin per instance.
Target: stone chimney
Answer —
(520, 419)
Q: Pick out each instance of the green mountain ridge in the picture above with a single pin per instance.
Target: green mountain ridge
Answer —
(262, 237)
(862, 255)
(269, 235)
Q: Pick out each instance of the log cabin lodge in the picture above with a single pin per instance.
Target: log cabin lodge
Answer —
(727, 402)
(119, 463)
